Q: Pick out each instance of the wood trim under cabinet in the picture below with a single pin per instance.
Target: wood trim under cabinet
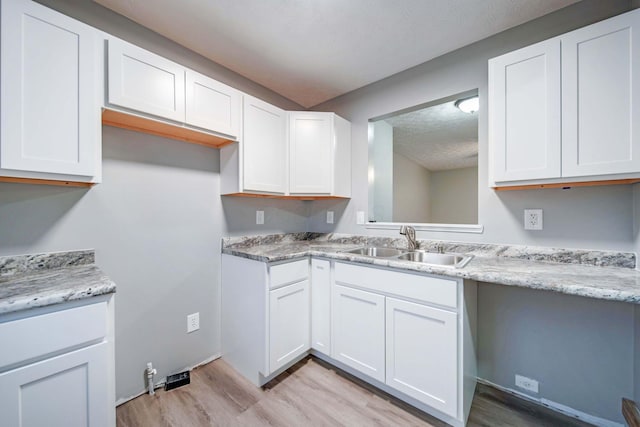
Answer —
(569, 184)
(46, 182)
(166, 130)
(282, 196)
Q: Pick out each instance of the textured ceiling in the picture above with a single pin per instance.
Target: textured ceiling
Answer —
(312, 51)
(440, 137)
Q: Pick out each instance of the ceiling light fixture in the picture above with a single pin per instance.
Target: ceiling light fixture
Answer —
(468, 105)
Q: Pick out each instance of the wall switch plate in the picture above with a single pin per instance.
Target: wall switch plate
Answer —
(329, 217)
(259, 217)
(527, 383)
(360, 218)
(533, 219)
(193, 322)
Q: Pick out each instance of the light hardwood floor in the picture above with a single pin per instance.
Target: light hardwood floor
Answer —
(311, 393)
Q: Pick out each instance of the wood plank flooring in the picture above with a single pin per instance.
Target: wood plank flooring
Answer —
(311, 393)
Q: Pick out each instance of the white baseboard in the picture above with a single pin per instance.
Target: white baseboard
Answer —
(162, 380)
(566, 410)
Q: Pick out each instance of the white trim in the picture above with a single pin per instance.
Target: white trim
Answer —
(451, 228)
(164, 379)
(554, 406)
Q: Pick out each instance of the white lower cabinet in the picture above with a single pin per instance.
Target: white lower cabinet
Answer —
(358, 330)
(422, 353)
(321, 305)
(64, 377)
(288, 324)
(411, 334)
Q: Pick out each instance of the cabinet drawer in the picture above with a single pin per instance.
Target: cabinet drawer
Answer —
(291, 272)
(422, 288)
(37, 336)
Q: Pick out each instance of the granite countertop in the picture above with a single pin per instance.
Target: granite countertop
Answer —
(596, 274)
(30, 281)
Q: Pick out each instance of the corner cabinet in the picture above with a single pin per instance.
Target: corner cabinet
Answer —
(319, 154)
(64, 377)
(265, 316)
(297, 154)
(51, 82)
(564, 110)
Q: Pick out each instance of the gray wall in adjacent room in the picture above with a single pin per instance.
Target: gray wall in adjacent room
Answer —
(411, 195)
(597, 217)
(454, 196)
(155, 222)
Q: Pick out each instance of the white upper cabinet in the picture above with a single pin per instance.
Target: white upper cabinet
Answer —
(524, 102)
(564, 110)
(310, 140)
(600, 102)
(145, 82)
(319, 154)
(50, 103)
(264, 141)
(212, 105)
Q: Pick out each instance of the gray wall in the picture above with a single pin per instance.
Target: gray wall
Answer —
(155, 222)
(454, 196)
(598, 217)
(410, 205)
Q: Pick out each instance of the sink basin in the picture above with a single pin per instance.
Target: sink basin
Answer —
(377, 252)
(444, 260)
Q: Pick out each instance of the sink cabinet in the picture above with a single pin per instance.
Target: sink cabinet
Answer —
(410, 334)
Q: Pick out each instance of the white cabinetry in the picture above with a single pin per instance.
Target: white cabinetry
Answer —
(422, 353)
(265, 315)
(142, 82)
(358, 330)
(319, 154)
(564, 110)
(212, 105)
(63, 377)
(321, 305)
(264, 146)
(145, 82)
(309, 158)
(412, 333)
(288, 324)
(49, 95)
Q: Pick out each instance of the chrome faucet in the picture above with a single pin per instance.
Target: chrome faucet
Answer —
(410, 233)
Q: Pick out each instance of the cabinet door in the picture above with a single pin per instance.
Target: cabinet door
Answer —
(321, 305)
(310, 140)
(422, 359)
(49, 107)
(524, 113)
(288, 324)
(264, 147)
(212, 105)
(358, 330)
(67, 390)
(145, 82)
(600, 99)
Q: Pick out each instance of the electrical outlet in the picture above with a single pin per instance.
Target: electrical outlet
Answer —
(533, 219)
(360, 218)
(259, 217)
(193, 322)
(527, 383)
(329, 217)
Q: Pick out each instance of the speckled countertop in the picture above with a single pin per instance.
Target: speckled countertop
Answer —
(596, 274)
(29, 281)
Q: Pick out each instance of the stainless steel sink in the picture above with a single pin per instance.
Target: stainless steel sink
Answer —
(444, 260)
(377, 252)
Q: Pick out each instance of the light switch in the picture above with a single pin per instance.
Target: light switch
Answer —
(329, 217)
(259, 217)
(360, 217)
